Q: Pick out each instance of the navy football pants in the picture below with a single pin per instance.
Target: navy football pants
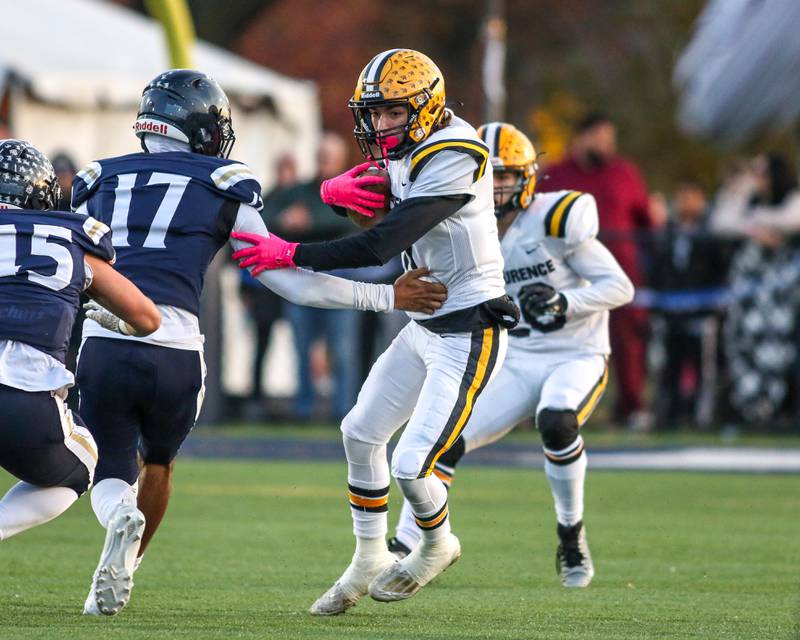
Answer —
(137, 397)
(42, 442)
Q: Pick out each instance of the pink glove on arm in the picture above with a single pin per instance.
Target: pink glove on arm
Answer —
(346, 191)
(267, 252)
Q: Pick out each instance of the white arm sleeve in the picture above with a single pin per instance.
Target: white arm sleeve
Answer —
(308, 287)
(609, 287)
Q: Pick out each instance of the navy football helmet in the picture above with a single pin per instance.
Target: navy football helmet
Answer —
(27, 179)
(189, 106)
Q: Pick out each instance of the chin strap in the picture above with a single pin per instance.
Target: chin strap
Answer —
(509, 207)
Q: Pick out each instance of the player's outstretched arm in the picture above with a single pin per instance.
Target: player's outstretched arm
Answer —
(300, 286)
(122, 306)
(410, 291)
(408, 222)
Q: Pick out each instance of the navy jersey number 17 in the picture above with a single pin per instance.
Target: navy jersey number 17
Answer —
(169, 214)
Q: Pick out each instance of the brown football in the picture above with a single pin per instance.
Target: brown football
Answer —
(381, 187)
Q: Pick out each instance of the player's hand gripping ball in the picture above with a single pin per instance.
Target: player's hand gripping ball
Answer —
(382, 188)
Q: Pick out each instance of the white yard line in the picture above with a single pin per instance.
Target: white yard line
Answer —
(750, 460)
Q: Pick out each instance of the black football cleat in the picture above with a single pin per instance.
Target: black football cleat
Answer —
(573, 560)
(397, 548)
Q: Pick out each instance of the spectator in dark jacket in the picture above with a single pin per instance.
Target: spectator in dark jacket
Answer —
(594, 166)
(689, 269)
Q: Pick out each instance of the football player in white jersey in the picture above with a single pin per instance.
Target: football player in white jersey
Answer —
(566, 282)
(431, 375)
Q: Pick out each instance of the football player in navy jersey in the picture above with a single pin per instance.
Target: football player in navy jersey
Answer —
(170, 209)
(47, 258)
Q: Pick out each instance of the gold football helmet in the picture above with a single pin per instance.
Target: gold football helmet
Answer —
(512, 151)
(397, 77)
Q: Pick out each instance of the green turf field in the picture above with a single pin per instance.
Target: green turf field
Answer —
(246, 548)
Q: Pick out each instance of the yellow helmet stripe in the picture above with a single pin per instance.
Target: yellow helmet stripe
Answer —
(555, 221)
(471, 147)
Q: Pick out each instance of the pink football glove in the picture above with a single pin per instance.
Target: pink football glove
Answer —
(267, 252)
(346, 191)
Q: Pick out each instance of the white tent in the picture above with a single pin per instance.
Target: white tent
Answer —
(75, 69)
(73, 73)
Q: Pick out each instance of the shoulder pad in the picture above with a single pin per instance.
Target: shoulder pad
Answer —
(474, 148)
(236, 180)
(90, 234)
(555, 221)
(230, 179)
(84, 182)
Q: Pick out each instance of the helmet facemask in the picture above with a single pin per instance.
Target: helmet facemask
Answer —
(398, 77)
(227, 137)
(507, 198)
(513, 153)
(392, 143)
(215, 138)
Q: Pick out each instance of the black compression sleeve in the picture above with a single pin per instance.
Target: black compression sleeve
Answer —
(402, 227)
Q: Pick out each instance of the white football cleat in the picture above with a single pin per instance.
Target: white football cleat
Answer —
(113, 579)
(350, 588)
(404, 578)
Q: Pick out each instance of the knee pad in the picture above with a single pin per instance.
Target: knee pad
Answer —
(351, 424)
(407, 463)
(558, 428)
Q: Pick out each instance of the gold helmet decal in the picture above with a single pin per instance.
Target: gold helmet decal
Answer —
(512, 151)
(398, 77)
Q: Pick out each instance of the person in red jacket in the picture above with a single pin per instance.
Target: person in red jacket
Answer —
(594, 166)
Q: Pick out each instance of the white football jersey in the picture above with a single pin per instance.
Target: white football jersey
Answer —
(554, 242)
(463, 251)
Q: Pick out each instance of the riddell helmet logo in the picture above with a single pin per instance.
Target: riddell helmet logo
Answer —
(371, 94)
(149, 126)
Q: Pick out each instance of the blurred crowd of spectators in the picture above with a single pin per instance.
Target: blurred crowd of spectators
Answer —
(712, 338)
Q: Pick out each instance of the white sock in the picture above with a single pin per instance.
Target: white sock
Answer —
(26, 506)
(427, 499)
(369, 549)
(107, 495)
(566, 483)
(368, 488)
(407, 531)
